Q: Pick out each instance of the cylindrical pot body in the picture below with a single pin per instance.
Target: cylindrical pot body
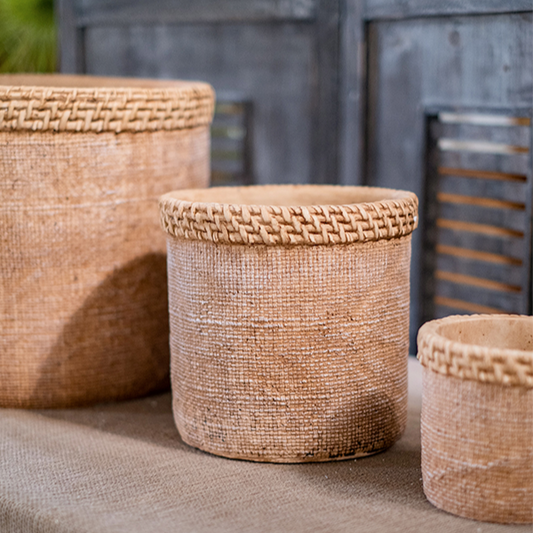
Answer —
(83, 305)
(477, 416)
(289, 315)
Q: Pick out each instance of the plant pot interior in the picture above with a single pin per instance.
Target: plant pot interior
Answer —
(289, 195)
(501, 333)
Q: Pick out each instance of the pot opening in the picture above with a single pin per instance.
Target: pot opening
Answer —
(504, 333)
(289, 195)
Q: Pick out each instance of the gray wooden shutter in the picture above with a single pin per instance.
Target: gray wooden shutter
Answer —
(429, 62)
(478, 213)
(344, 91)
(276, 61)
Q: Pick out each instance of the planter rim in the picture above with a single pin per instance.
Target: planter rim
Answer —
(486, 364)
(57, 103)
(361, 214)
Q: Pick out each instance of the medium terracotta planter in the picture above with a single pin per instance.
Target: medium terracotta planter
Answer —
(289, 315)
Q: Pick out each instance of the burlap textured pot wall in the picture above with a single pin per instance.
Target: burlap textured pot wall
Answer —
(477, 416)
(82, 266)
(289, 311)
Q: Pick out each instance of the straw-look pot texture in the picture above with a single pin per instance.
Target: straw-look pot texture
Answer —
(477, 416)
(289, 315)
(83, 301)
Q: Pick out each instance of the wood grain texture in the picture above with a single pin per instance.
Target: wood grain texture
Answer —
(326, 104)
(450, 63)
(111, 12)
(387, 9)
(268, 65)
(70, 38)
(282, 57)
(352, 93)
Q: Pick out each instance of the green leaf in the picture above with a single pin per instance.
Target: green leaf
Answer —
(27, 36)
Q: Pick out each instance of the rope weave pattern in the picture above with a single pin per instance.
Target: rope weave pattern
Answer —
(274, 225)
(477, 363)
(100, 110)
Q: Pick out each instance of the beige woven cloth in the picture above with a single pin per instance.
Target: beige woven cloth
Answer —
(122, 468)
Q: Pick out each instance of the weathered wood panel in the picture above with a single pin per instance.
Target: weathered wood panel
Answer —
(111, 12)
(325, 107)
(352, 95)
(340, 90)
(417, 65)
(282, 56)
(230, 144)
(269, 65)
(70, 52)
(479, 200)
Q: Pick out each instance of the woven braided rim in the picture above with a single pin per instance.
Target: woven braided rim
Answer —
(192, 214)
(473, 362)
(94, 104)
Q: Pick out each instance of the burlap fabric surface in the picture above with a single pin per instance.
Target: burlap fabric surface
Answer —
(122, 468)
(477, 416)
(289, 316)
(83, 298)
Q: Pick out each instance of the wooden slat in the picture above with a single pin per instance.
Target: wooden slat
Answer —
(484, 147)
(353, 85)
(488, 137)
(488, 257)
(131, 12)
(465, 306)
(492, 203)
(393, 9)
(228, 108)
(483, 119)
(234, 133)
(326, 118)
(481, 174)
(464, 279)
(496, 231)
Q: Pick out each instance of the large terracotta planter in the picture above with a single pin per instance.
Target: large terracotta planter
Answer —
(83, 302)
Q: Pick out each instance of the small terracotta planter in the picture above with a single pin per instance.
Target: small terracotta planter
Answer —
(289, 314)
(477, 416)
